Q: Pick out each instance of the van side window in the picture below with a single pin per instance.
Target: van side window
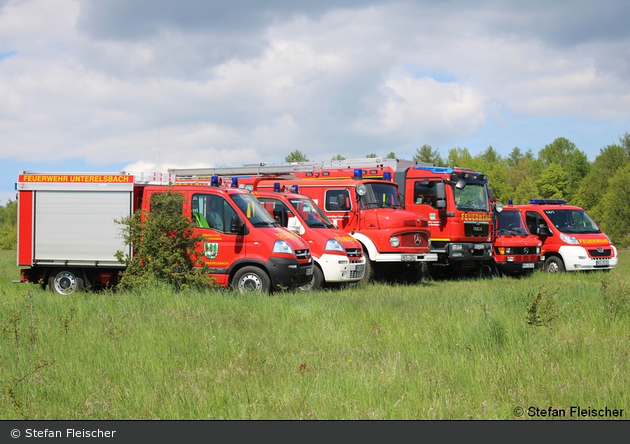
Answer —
(337, 200)
(424, 194)
(534, 221)
(168, 203)
(211, 211)
(277, 209)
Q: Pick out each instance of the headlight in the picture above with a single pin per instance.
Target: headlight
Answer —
(569, 239)
(457, 247)
(334, 245)
(282, 247)
(394, 241)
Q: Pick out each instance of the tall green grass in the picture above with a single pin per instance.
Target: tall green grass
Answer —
(469, 349)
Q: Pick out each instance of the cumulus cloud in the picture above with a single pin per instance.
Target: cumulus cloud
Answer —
(192, 83)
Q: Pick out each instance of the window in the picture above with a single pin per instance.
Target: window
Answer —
(338, 200)
(253, 210)
(572, 221)
(424, 193)
(211, 211)
(534, 221)
(473, 197)
(167, 203)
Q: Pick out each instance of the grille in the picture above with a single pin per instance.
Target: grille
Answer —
(409, 240)
(528, 258)
(304, 279)
(303, 254)
(353, 252)
(605, 253)
(356, 274)
(476, 229)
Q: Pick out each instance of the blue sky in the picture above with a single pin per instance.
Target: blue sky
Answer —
(87, 85)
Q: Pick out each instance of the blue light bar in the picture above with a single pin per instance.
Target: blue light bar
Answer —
(358, 174)
(276, 187)
(387, 176)
(214, 181)
(235, 182)
(295, 189)
(435, 170)
(547, 202)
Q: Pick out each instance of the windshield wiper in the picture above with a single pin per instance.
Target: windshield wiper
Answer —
(262, 223)
(510, 231)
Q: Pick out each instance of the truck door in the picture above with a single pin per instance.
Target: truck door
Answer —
(338, 207)
(534, 221)
(212, 215)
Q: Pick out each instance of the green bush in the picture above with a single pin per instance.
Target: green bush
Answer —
(164, 244)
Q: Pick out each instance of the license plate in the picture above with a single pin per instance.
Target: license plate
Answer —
(528, 265)
(309, 271)
(359, 268)
(602, 262)
(408, 258)
(478, 246)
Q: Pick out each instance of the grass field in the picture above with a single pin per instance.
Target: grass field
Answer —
(471, 349)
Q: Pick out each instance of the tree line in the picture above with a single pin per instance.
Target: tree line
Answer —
(558, 171)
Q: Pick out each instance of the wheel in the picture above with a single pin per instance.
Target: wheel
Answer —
(369, 272)
(317, 282)
(554, 264)
(65, 283)
(251, 280)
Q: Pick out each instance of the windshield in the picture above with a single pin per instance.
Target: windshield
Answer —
(380, 195)
(511, 222)
(310, 213)
(472, 198)
(572, 221)
(252, 209)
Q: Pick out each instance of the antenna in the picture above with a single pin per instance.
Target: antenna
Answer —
(159, 154)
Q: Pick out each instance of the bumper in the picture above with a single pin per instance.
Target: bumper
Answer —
(518, 267)
(464, 251)
(577, 258)
(406, 258)
(288, 273)
(337, 268)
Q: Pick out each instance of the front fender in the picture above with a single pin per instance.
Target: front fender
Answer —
(372, 251)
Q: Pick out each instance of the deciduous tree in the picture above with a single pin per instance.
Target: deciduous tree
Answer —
(296, 156)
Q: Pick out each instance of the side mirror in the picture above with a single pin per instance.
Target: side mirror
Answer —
(461, 184)
(440, 195)
(236, 225)
(543, 230)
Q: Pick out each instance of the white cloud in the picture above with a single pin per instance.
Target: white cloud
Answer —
(374, 77)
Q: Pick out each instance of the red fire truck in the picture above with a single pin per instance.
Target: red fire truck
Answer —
(571, 240)
(396, 242)
(337, 255)
(68, 238)
(516, 251)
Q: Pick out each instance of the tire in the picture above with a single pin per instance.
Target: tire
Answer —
(251, 280)
(369, 272)
(554, 264)
(66, 282)
(317, 282)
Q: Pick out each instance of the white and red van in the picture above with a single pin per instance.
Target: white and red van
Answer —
(571, 240)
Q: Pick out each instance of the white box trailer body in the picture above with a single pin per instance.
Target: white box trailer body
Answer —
(71, 219)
